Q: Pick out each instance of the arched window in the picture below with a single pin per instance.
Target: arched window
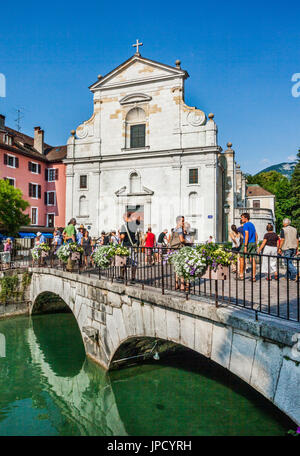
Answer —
(135, 186)
(193, 203)
(136, 128)
(83, 206)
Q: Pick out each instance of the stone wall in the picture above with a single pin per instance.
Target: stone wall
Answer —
(262, 353)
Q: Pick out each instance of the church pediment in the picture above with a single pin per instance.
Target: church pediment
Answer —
(124, 191)
(137, 69)
(135, 98)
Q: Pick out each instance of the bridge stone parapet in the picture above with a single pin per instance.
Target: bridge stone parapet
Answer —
(262, 353)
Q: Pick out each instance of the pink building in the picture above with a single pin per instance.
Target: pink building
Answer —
(37, 169)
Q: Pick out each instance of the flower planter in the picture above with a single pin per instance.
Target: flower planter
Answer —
(221, 273)
(44, 254)
(75, 256)
(120, 260)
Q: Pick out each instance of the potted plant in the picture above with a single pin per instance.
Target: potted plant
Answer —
(103, 256)
(188, 263)
(75, 250)
(218, 261)
(63, 253)
(41, 250)
(121, 254)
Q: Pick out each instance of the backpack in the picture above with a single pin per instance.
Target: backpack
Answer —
(175, 242)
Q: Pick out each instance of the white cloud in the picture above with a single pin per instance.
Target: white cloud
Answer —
(265, 161)
(292, 157)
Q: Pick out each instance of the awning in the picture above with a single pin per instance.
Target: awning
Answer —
(21, 234)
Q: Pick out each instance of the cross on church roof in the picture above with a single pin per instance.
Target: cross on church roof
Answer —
(137, 47)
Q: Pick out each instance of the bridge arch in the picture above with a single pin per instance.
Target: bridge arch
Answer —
(108, 314)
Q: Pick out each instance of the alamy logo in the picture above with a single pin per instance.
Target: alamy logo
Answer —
(2, 346)
(296, 87)
(296, 347)
(2, 86)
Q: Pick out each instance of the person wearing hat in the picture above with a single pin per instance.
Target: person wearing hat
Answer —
(80, 234)
(40, 238)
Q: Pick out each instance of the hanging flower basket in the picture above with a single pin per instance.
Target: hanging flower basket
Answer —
(120, 260)
(220, 273)
(41, 250)
(187, 262)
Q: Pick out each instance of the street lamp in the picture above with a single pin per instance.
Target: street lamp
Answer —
(226, 212)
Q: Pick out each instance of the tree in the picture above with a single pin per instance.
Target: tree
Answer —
(12, 206)
(295, 187)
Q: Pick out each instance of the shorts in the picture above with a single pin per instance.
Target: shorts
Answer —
(132, 259)
(251, 248)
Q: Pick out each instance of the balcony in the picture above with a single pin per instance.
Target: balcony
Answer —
(255, 213)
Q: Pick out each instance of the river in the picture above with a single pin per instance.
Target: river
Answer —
(48, 387)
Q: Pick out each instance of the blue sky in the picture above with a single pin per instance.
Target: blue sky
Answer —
(240, 57)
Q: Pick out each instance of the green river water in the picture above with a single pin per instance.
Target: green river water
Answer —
(48, 387)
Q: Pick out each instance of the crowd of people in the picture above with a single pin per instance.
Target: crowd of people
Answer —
(245, 240)
(244, 243)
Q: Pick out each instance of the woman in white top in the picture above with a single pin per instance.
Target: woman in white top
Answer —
(236, 242)
(236, 239)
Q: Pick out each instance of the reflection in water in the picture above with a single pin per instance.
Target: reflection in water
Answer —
(48, 387)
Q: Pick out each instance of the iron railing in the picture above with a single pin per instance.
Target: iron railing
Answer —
(149, 268)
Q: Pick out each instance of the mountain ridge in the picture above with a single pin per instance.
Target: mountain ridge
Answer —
(284, 168)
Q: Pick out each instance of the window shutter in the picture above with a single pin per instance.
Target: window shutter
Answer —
(39, 169)
(39, 191)
(30, 190)
(56, 174)
(46, 174)
(45, 198)
(29, 166)
(17, 162)
(5, 159)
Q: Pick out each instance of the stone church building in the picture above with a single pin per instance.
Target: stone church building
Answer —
(146, 151)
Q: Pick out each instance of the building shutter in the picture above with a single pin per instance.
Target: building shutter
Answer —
(5, 159)
(17, 162)
(56, 174)
(39, 191)
(39, 169)
(29, 166)
(46, 174)
(45, 198)
(30, 190)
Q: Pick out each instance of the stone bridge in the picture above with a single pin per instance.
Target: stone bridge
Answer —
(263, 353)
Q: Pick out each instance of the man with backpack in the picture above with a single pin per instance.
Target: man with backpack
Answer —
(178, 236)
(129, 239)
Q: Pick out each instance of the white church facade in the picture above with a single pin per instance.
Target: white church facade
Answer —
(146, 151)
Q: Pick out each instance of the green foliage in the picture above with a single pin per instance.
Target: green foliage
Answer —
(11, 289)
(25, 282)
(9, 285)
(295, 189)
(12, 207)
(281, 187)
